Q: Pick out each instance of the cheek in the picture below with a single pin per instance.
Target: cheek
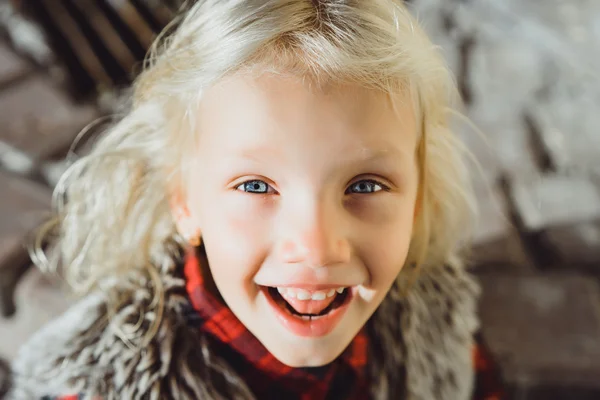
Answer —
(385, 240)
(239, 218)
(379, 212)
(235, 232)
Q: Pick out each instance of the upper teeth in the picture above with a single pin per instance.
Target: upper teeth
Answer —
(302, 294)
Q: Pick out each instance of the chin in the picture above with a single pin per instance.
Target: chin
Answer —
(301, 361)
(300, 355)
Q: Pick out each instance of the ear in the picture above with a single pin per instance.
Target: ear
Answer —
(421, 155)
(186, 224)
(418, 203)
(417, 211)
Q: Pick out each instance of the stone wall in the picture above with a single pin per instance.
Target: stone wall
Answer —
(528, 71)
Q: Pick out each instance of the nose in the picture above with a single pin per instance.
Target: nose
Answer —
(315, 238)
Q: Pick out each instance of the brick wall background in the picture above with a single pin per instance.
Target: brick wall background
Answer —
(528, 71)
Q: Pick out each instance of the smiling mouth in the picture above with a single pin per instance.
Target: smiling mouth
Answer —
(307, 309)
(305, 313)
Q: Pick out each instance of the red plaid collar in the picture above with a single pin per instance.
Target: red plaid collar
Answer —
(266, 376)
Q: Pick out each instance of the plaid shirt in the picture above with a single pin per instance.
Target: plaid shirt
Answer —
(345, 378)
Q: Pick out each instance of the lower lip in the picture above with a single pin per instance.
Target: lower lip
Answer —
(317, 327)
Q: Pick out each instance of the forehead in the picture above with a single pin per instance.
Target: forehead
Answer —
(281, 110)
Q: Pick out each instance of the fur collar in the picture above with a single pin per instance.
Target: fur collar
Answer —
(420, 346)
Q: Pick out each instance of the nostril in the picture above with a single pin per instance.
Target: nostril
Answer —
(316, 244)
(316, 255)
(293, 253)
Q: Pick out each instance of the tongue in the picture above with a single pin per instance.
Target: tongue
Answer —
(308, 306)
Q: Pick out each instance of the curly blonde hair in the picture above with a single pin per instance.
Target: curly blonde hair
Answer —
(112, 206)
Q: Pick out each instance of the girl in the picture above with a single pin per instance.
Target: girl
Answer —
(277, 216)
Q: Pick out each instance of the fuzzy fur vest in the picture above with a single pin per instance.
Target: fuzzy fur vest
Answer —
(420, 346)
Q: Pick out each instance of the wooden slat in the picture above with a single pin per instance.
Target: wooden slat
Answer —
(107, 33)
(173, 5)
(146, 13)
(71, 31)
(136, 22)
(102, 42)
(129, 25)
(163, 14)
(117, 73)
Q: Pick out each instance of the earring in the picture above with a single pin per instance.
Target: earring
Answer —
(195, 240)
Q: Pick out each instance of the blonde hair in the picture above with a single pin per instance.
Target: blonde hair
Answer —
(112, 205)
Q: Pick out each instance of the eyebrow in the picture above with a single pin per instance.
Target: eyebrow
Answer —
(367, 155)
(257, 153)
(364, 156)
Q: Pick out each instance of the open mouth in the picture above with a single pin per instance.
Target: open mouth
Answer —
(298, 309)
(308, 313)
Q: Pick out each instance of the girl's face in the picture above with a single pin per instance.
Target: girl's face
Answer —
(305, 201)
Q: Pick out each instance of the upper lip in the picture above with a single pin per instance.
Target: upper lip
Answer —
(307, 286)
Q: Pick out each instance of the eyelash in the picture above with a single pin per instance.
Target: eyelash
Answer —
(382, 186)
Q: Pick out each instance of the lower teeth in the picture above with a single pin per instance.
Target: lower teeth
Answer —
(307, 317)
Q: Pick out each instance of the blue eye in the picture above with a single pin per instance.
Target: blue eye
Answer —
(365, 187)
(254, 186)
